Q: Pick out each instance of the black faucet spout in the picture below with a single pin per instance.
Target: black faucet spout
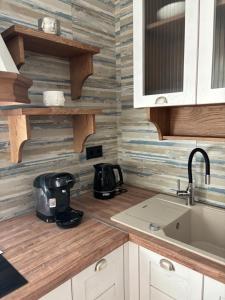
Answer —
(207, 165)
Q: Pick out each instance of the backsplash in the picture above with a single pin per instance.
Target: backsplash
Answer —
(124, 132)
(52, 151)
(147, 162)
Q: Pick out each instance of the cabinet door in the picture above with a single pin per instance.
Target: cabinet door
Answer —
(64, 292)
(103, 280)
(163, 278)
(211, 73)
(157, 295)
(165, 52)
(213, 290)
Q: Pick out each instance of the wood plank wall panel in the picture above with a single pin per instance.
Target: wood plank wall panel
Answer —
(94, 21)
(146, 161)
(51, 146)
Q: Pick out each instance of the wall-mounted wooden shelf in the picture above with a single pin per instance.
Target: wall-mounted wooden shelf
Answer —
(177, 20)
(197, 122)
(19, 38)
(19, 126)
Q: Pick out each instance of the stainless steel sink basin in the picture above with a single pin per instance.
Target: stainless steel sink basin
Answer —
(198, 228)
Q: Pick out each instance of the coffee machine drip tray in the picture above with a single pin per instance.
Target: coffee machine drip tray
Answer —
(70, 218)
(10, 278)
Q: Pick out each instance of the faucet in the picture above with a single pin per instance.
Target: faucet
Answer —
(188, 194)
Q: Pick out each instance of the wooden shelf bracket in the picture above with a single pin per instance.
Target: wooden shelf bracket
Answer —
(81, 67)
(19, 133)
(83, 127)
(160, 118)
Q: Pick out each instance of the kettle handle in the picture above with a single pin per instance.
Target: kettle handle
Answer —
(118, 168)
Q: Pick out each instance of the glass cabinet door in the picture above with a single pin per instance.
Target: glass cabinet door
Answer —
(165, 52)
(211, 74)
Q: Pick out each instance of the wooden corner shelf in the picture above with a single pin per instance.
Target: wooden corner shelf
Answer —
(19, 38)
(196, 122)
(19, 126)
(177, 20)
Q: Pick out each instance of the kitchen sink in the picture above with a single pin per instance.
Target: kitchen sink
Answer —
(202, 227)
(199, 228)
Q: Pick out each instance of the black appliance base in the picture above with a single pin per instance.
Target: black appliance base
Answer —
(47, 219)
(104, 195)
(10, 278)
(69, 219)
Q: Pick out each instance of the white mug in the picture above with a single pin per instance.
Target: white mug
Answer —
(53, 98)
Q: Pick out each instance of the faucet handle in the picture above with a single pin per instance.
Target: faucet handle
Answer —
(178, 184)
(207, 179)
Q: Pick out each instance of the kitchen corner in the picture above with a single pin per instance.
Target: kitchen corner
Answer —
(112, 143)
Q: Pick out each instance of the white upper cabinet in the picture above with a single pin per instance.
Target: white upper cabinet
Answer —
(165, 52)
(211, 74)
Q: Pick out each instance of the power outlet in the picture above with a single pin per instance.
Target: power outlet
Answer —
(94, 152)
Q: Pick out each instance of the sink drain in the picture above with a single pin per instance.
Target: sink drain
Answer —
(154, 227)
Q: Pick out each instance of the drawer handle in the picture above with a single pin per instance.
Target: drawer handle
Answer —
(100, 265)
(161, 100)
(167, 265)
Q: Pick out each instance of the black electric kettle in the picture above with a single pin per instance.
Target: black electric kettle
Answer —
(105, 184)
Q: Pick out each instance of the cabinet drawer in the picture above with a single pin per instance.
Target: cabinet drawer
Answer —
(173, 279)
(103, 280)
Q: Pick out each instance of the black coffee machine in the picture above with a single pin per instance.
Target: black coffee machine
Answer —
(52, 195)
(106, 186)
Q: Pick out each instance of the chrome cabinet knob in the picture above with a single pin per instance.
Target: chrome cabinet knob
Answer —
(161, 100)
(167, 265)
(100, 265)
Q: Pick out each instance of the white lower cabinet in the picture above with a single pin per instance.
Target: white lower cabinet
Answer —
(135, 273)
(62, 292)
(163, 279)
(213, 290)
(103, 280)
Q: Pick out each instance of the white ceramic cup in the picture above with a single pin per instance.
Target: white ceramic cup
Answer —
(53, 98)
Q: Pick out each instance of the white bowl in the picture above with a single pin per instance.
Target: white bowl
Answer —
(171, 10)
(53, 98)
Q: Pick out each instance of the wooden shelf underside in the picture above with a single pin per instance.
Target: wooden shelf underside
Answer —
(83, 121)
(49, 111)
(19, 38)
(197, 122)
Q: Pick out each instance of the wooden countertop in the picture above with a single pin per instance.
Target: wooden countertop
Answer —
(104, 210)
(47, 256)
